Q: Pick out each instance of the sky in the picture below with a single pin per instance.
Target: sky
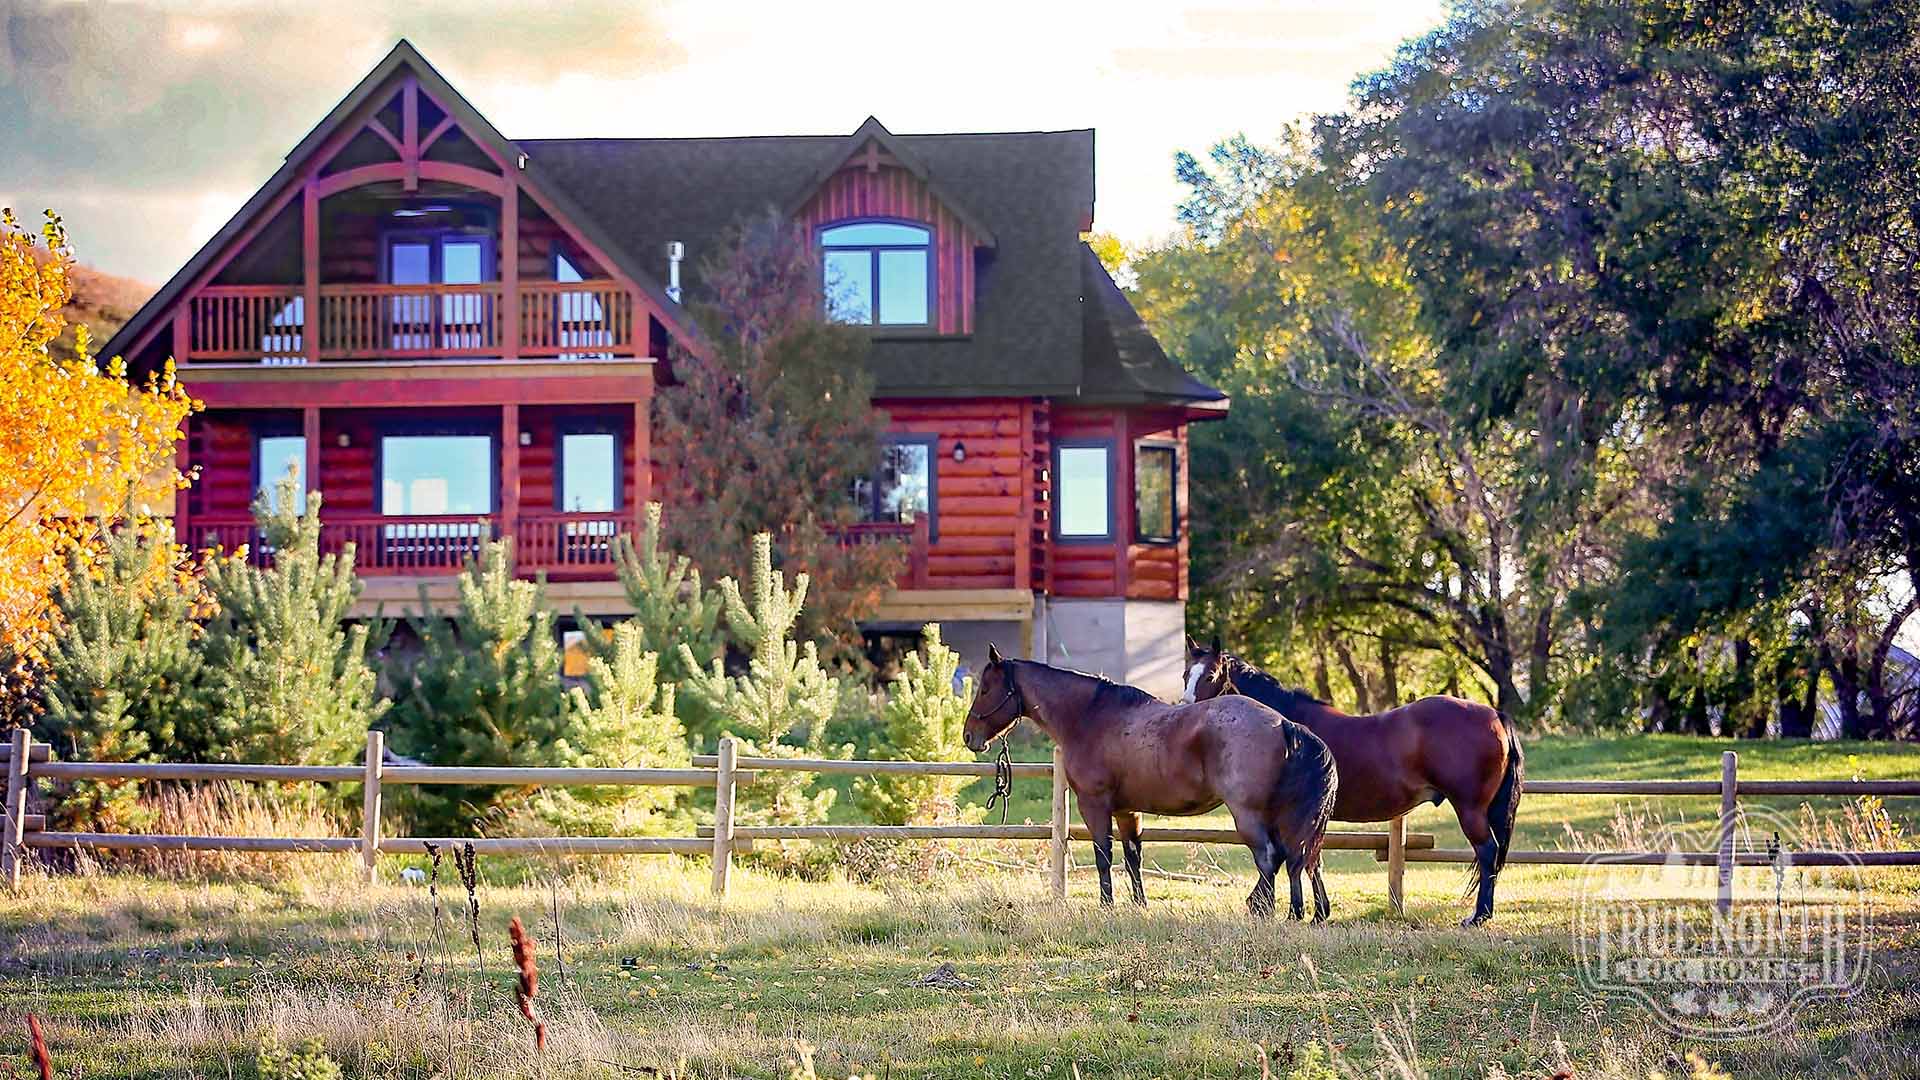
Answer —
(147, 123)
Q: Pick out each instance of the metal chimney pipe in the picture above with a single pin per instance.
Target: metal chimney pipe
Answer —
(675, 252)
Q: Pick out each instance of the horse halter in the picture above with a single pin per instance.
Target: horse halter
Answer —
(1003, 765)
(1013, 691)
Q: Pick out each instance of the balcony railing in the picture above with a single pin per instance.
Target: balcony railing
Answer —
(268, 324)
(578, 546)
(574, 545)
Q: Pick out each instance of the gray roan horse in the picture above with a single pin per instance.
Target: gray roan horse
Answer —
(1128, 753)
(1435, 749)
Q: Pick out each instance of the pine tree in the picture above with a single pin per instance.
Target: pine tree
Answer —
(624, 719)
(287, 678)
(923, 720)
(123, 665)
(671, 608)
(768, 430)
(485, 688)
(785, 688)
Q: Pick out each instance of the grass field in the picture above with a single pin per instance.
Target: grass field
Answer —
(184, 976)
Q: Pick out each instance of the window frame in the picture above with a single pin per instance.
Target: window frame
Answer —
(1141, 448)
(873, 263)
(589, 426)
(1110, 534)
(449, 429)
(436, 237)
(871, 512)
(280, 430)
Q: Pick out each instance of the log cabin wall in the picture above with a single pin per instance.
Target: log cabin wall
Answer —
(1159, 571)
(979, 501)
(892, 192)
(539, 459)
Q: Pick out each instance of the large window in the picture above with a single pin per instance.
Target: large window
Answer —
(1156, 473)
(277, 457)
(1083, 490)
(902, 488)
(589, 472)
(436, 474)
(878, 273)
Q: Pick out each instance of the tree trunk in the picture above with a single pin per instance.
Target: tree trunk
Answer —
(1322, 684)
(1845, 672)
(1389, 675)
(1362, 700)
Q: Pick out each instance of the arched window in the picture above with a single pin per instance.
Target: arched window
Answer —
(878, 273)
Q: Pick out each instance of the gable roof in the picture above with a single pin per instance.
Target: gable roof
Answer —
(873, 131)
(1047, 321)
(402, 58)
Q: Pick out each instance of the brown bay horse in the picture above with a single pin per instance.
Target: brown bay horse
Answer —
(1127, 752)
(1434, 749)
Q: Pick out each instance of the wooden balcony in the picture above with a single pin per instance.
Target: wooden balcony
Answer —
(559, 545)
(268, 324)
(562, 546)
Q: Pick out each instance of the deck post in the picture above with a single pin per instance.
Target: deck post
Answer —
(510, 475)
(12, 841)
(1057, 844)
(509, 322)
(310, 275)
(370, 806)
(310, 468)
(1397, 865)
(723, 818)
(1729, 811)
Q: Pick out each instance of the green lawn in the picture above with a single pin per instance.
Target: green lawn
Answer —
(183, 977)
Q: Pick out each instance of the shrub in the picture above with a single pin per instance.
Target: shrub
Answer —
(486, 690)
(307, 1061)
(122, 665)
(922, 720)
(287, 679)
(785, 690)
(671, 608)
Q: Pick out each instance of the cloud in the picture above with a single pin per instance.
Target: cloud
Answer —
(167, 104)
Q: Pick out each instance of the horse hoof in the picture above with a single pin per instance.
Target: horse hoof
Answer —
(1472, 921)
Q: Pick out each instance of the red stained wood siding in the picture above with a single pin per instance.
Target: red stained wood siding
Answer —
(979, 501)
(894, 192)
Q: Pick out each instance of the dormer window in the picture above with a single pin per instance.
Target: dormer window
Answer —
(878, 273)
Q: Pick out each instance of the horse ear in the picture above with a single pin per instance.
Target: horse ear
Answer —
(993, 655)
(1216, 643)
(1192, 645)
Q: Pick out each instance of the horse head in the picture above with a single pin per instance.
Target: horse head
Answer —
(997, 703)
(1206, 671)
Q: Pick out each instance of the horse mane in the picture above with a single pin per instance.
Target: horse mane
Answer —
(1115, 693)
(1266, 689)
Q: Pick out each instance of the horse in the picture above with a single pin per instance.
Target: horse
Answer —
(1435, 749)
(1126, 753)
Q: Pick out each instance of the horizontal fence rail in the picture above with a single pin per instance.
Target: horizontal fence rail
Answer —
(726, 771)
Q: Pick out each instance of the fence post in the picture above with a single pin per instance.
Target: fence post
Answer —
(1397, 865)
(1729, 810)
(12, 840)
(1057, 843)
(370, 805)
(723, 819)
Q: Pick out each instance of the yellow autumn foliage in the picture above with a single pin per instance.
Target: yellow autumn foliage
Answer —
(76, 437)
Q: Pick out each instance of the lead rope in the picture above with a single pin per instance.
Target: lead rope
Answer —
(1002, 782)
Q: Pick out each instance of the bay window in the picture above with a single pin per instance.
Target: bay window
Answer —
(1156, 474)
(1083, 489)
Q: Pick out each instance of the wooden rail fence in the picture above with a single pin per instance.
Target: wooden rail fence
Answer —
(727, 771)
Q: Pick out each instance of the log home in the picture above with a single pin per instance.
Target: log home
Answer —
(450, 333)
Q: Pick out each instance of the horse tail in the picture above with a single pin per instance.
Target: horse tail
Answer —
(1505, 807)
(1306, 788)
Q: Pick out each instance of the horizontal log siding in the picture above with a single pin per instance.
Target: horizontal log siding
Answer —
(978, 500)
(896, 193)
(539, 461)
(222, 447)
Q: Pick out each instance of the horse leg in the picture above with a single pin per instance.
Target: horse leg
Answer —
(1266, 857)
(1486, 850)
(1127, 824)
(1099, 819)
(1297, 907)
(1322, 907)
